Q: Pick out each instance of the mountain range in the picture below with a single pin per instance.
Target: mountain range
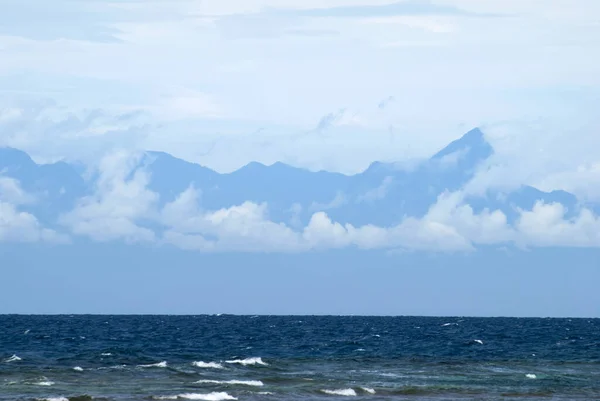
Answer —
(381, 195)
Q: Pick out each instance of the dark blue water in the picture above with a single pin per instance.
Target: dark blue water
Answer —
(307, 358)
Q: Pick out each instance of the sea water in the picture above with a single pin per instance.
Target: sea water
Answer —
(297, 358)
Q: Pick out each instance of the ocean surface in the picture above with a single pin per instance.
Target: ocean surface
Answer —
(297, 358)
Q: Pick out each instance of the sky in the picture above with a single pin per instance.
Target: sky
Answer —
(323, 85)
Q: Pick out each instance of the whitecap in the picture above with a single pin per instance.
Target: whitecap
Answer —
(78, 368)
(54, 399)
(478, 342)
(265, 393)
(27, 331)
(210, 365)
(256, 383)
(162, 364)
(248, 361)
(449, 324)
(13, 358)
(207, 397)
(45, 383)
(106, 354)
(530, 376)
(347, 392)
(368, 390)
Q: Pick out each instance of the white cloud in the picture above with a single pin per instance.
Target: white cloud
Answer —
(546, 225)
(17, 225)
(583, 181)
(377, 193)
(338, 200)
(120, 201)
(11, 192)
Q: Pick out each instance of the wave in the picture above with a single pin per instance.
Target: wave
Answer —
(54, 399)
(194, 396)
(211, 365)
(45, 383)
(249, 361)
(162, 364)
(530, 376)
(256, 383)
(346, 392)
(13, 358)
(106, 354)
(78, 369)
(368, 390)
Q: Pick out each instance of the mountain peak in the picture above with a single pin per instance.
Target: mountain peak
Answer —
(472, 148)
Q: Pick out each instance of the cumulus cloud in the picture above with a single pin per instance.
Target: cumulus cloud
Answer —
(11, 192)
(546, 225)
(17, 225)
(120, 201)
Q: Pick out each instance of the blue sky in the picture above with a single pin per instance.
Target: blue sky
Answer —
(323, 85)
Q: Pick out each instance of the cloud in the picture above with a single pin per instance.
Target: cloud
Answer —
(48, 132)
(545, 225)
(409, 7)
(11, 192)
(583, 181)
(121, 200)
(20, 226)
(338, 201)
(377, 193)
(243, 227)
(60, 19)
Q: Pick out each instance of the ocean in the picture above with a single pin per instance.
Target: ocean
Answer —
(224, 357)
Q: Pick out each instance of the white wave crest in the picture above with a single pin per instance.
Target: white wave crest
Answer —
(54, 399)
(208, 365)
(162, 364)
(78, 369)
(256, 383)
(478, 342)
(13, 358)
(530, 376)
(45, 383)
(249, 361)
(206, 397)
(106, 354)
(347, 392)
(368, 390)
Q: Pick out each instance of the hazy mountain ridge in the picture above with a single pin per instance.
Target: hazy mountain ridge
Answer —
(381, 195)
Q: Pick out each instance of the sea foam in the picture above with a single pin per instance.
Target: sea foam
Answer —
(162, 364)
(13, 358)
(248, 361)
(368, 390)
(347, 392)
(256, 383)
(193, 396)
(208, 365)
(54, 399)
